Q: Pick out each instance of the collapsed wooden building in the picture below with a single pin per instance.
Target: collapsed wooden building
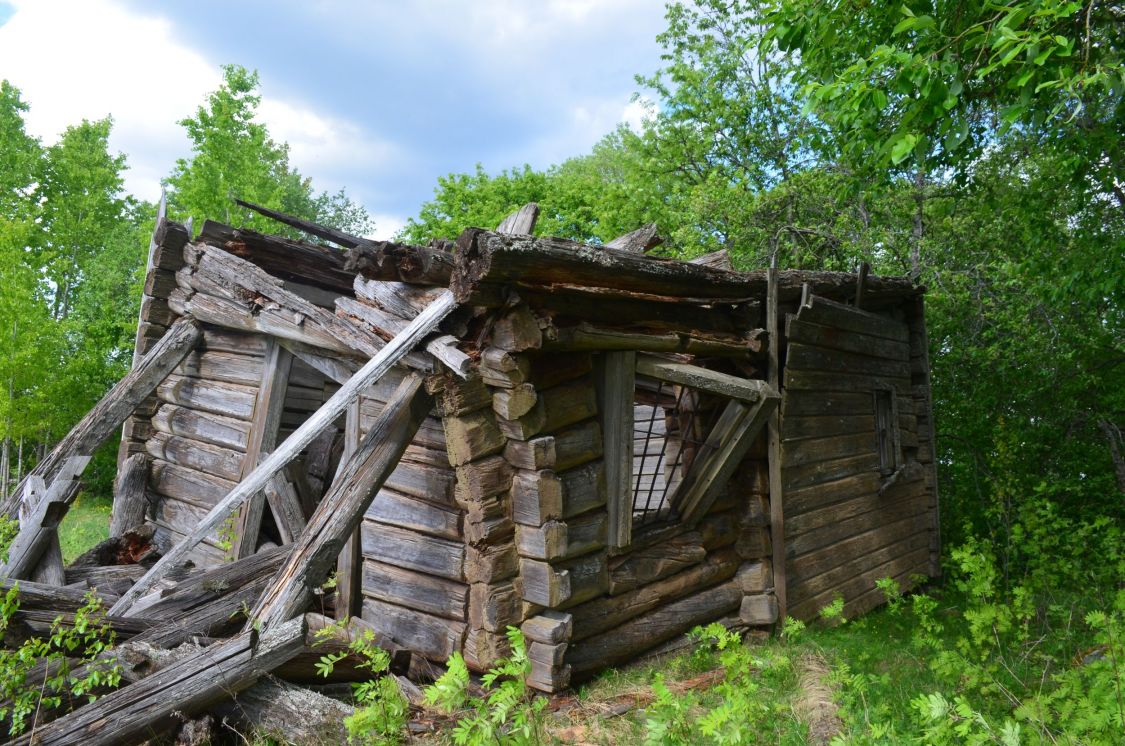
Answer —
(598, 446)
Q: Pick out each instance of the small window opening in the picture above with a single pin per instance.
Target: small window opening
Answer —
(886, 431)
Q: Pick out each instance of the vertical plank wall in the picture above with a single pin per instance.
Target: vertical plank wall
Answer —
(846, 524)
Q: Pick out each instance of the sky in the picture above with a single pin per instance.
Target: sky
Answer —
(377, 97)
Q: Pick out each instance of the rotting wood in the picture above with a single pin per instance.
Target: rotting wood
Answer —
(107, 416)
(129, 495)
(296, 442)
(288, 259)
(342, 509)
(187, 686)
(587, 336)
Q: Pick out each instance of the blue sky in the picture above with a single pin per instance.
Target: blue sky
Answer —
(378, 97)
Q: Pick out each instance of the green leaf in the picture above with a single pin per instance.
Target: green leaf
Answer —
(901, 147)
(879, 99)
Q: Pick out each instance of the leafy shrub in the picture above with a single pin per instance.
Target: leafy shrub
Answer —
(510, 714)
(72, 654)
(381, 711)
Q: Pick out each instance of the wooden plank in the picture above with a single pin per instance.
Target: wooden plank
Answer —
(773, 443)
(188, 484)
(807, 451)
(833, 338)
(864, 583)
(652, 628)
(295, 443)
(858, 522)
(342, 509)
(616, 392)
(415, 590)
(227, 432)
(349, 578)
(721, 454)
(230, 367)
(649, 564)
(797, 426)
(828, 382)
(802, 357)
(822, 311)
(748, 390)
(825, 494)
(639, 241)
(841, 573)
(841, 553)
(820, 472)
(189, 685)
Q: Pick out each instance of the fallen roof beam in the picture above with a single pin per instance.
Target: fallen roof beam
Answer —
(338, 237)
(289, 259)
(395, 350)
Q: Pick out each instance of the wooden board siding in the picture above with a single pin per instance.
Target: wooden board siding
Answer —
(843, 528)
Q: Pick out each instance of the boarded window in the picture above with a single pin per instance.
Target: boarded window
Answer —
(886, 431)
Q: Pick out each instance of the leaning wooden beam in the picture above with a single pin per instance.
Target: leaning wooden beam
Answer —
(268, 407)
(106, 417)
(342, 509)
(748, 390)
(395, 350)
(721, 455)
(338, 237)
(188, 686)
(35, 514)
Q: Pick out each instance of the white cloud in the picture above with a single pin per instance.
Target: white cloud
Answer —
(386, 226)
(86, 59)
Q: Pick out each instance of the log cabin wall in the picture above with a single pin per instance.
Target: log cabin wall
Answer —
(859, 494)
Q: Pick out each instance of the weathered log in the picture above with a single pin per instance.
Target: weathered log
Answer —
(648, 630)
(342, 509)
(639, 241)
(129, 495)
(216, 461)
(484, 257)
(417, 590)
(434, 637)
(472, 436)
(187, 686)
(106, 417)
(296, 442)
(227, 432)
(616, 393)
(520, 222)
(718, 259)
(649, 564)
(288, 259)
(413, 550)
(275, 709)
(587, 336)
(604, 614)
(414, 513)
(385, 260)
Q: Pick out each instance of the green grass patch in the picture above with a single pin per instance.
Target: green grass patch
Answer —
(86, 523)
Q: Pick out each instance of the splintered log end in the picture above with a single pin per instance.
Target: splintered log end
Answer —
(472, 261)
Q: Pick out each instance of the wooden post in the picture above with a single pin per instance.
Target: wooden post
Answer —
(349, 571)
(129, 495)
(268, 407)
(341, 510)
(616, 394)
(107, 416)
(777, 514)
(382, 362)
(860, 283)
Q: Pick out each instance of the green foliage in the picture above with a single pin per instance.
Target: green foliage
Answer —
(76, 673)
(380, 713)
(233, 156)
(749, 702)
(509, 714)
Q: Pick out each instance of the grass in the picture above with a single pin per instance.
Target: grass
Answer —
(873, 674)
(85, 524)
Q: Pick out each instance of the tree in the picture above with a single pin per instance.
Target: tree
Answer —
(937, 82)
(233, 157)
